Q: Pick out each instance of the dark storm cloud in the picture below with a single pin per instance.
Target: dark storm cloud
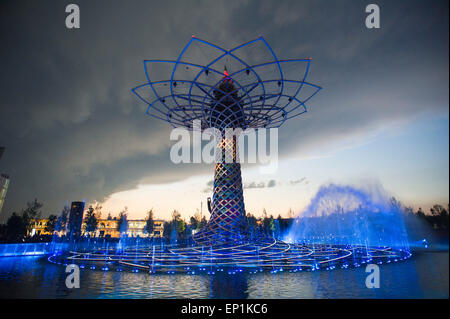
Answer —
(72, 129)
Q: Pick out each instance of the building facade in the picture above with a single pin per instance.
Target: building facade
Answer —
(136, 228)
(76, 218)
(39, 227)
(4, 183)
(107, 228)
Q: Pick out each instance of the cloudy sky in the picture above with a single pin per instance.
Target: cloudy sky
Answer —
(73, 131)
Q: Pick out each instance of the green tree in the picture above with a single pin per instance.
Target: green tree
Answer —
(178, 223)
(51, 224)
(167, 230)
(439, 217)
(195, 222)
(437, 210)
(251, 221)
(252, 224)
(420, 213)
(176, 215)
(203, 222)
(268, 225)
(16, 228)
(91, 220)
(181, 227)
(271, 224)
(122, 224)
(149, 224)
(31, 213)
(264, 213)
(395, 204)
(3, 230)
(61, 223)
(408, 211)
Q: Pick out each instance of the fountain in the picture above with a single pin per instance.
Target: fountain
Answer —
(239, 89)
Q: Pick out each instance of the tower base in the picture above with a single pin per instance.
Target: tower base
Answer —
(228, 222)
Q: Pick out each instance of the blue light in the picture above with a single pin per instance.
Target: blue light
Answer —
(294, 108)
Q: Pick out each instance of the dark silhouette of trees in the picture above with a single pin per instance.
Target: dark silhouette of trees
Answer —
(3, 230)
(175, 228)
(194, 223)
(203, 222)
(268, 224)
(252, 221)
(16, 229)
(149, 223)
(51, 224)
(122, 224)
(438, 218)
(31, 213)
(167, 230)
(179, 224)
(19, 226)
(61, 222)
(91, 220)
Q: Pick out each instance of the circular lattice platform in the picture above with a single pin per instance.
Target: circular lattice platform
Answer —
(264, 255)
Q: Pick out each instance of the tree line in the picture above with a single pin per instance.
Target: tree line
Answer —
(437, 219)
(18, 227)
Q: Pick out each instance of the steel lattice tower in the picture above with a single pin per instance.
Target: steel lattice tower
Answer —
(227, 220)
(260, 92)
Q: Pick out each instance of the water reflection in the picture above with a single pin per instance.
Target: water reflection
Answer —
(426, 275)
(226, 286)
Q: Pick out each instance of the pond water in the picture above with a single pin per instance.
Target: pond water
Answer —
(425, 275)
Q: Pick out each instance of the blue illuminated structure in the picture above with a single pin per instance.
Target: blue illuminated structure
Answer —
(264, 91)
(30, 249)
(252, 257)
(245, 87)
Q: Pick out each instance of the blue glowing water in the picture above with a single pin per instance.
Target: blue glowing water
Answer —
(425, 275)
(343, 227)
(350, 215)
(338, 216)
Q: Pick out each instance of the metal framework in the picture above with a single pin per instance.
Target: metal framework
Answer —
(245, 87)
(251, 257)
(267, 92)
(228, 219)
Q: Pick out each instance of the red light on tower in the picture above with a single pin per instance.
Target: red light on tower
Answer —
(226, 76)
